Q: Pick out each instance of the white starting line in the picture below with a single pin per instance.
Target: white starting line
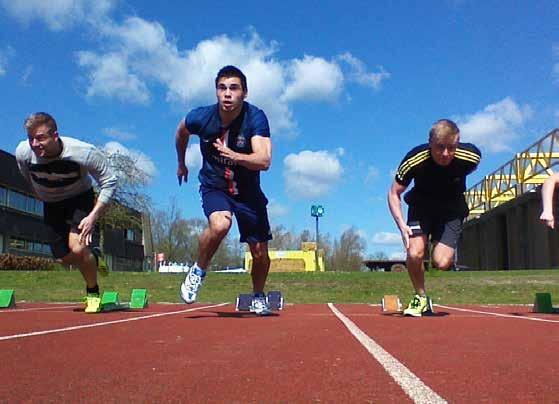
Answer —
(83, 326)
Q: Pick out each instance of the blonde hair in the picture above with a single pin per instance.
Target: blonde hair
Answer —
(40, 118)
(443, 129)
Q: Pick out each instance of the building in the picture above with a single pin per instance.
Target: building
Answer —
(22, 231)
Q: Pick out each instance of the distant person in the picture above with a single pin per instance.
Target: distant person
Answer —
(235, 146)
(58, 168)
(548, 189)
(436, 203)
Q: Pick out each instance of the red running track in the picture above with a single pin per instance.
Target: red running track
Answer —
(305, 354)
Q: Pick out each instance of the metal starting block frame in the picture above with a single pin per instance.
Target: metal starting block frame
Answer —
(274, 298)
(391, 304)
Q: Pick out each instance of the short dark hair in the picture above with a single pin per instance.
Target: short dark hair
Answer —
(40, 118)
(232, 71)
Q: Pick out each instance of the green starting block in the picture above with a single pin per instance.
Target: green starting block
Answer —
(7, 299)
(138, 298)
(542, 303)
(111, 302)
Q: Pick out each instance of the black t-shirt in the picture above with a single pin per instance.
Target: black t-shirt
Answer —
(438, 189)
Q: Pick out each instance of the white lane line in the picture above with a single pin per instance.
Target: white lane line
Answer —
(38, 308)
(490, 313)
(79, 327)
(418, 391)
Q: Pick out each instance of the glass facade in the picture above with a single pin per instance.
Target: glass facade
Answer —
(18, 201)
(28, 246)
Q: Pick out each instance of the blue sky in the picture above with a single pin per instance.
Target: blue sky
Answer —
(348, 88)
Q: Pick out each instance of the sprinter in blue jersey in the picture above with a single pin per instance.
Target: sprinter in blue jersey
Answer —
(235, 146)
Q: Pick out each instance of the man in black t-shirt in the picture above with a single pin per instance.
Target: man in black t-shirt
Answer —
(436, 203)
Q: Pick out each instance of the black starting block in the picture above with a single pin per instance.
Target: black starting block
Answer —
(274, 298)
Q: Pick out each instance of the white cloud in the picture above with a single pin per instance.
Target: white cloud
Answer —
(276, 210)
(135, 53)
(313, 78)
(5, 55)
(372, 174)
(387, 238)
(495, 126)
(138, 52)
(358, 72)
(26, 74)
(311, 174)
(57, 14)
(119, 134)
(143, 161)
(193, 157)
(110, 77)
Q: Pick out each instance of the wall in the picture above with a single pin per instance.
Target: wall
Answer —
(510, 236)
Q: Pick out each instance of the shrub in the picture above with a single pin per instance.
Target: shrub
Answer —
(11, 262)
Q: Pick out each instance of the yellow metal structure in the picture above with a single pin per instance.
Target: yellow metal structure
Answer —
(303, 260)
(525, 172)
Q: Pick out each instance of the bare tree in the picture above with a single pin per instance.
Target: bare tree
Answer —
(348, 251)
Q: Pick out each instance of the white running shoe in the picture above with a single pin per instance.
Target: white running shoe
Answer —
(259, 305)
(191, 285)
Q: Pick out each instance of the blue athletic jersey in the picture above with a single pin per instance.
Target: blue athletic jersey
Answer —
(220, 172)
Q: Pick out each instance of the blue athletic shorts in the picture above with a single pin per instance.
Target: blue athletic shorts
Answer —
(250, 212)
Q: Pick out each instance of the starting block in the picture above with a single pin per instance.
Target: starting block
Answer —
(7, 299)
(542, 303)
(391, 304)
(274, 299)
(138, 298)
(111, 302)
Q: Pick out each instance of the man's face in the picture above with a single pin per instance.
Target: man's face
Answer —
(443, 150)
(43, 141)
(230, 94)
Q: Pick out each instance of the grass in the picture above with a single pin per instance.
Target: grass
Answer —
(483, 287)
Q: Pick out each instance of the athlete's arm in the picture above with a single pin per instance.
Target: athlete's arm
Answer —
(395, 205)
(259, 160)
(87, 225)
(99, 168)
(548, 189)
(181, 142)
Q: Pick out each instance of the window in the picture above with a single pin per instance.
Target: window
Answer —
(130, 234)
(17, 201)
(35, 206)
(29, 246)
(17, 244)
(3, 196)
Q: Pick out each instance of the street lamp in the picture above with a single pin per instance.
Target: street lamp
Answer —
(316, 212)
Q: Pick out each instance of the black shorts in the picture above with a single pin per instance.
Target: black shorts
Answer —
(444, 230)
(65, 216)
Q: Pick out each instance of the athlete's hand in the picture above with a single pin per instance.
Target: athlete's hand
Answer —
(406, 232)
(182, 173)
(225, 151)
(548, 219)
(86, 227)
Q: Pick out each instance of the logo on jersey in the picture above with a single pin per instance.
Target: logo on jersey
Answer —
(241, 141)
